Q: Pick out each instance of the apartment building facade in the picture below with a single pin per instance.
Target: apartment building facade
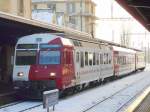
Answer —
(16, 7)
(77, 14)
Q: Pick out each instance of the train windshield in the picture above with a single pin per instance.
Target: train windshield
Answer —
(26, 57)
(49, 57)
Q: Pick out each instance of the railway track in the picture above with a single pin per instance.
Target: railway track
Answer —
(7, 97)
(121, 108)
(23, 106)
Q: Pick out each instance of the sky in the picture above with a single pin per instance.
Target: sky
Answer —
(112, 30)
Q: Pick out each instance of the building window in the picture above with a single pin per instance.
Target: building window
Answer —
(21, 7)
(52, 7)
(72, 20)
(71, 7)
(35, 6)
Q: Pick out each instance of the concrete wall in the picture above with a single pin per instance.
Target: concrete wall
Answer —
(6, 63)
(16, 7)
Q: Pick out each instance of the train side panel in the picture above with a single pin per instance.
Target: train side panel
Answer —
(140, 60)
(124, 61)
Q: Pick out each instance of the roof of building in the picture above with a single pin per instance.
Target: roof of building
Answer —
(14, 27)
(140, 9)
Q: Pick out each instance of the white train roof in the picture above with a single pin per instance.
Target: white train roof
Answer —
(42, 38)
(121, 49)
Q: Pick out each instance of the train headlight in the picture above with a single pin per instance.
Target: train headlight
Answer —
(20, 74)
(52, 74)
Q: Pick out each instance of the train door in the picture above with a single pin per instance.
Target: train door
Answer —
(77, 66)
(68, 67)
(116, 63)
(107, 67)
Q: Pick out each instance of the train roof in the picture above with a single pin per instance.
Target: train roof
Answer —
(121, 49)
(42, 38)
(65, 37)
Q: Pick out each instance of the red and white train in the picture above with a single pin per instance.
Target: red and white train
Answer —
(47, 61)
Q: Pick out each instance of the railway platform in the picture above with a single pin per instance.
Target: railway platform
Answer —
(142, 103)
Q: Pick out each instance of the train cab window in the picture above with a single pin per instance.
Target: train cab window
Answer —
(26, 57)
(49, 57)
(94, 58)
(27, 46)
(90, 58)
(86, 58)
(77, 57)
(82, 59)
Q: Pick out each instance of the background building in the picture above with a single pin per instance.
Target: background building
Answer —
(77, 14)
(16, 7)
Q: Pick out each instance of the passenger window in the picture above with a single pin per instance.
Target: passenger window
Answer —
(110, 59)
(101, 58)
(90, 58)
(77, 57)
(86, 58)
(94, 60)
(107, 58)
(104, 58)
(97, 59)
(82, 59)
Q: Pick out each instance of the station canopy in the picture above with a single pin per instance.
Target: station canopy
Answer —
(13, 27)
(139, 9)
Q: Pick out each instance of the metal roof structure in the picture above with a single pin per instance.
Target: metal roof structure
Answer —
(139, 9)
(13, 27)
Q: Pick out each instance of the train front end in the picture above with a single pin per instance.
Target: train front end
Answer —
(37, 64)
